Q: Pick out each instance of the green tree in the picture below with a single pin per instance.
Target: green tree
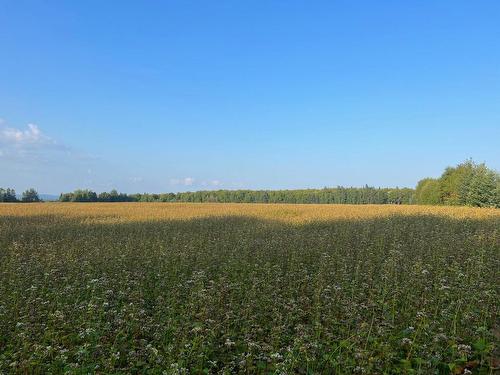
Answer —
(8, 195)
(79, 196)
(428, 191)
(454, 183)
(30, 195)
(482, 188)
(466, 184)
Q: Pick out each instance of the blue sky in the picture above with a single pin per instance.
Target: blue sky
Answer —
(187, 95)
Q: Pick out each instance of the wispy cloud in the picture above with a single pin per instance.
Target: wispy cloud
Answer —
(28, 143)
(212, 183)
(186, 181)
(29, 156)
(30, 135)
(136, 179)
(190, 181)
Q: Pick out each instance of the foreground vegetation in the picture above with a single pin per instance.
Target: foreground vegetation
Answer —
(211, 288)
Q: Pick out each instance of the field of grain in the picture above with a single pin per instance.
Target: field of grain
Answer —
(234, 288)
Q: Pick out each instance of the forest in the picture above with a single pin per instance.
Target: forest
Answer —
(339, 195)
(467, 184)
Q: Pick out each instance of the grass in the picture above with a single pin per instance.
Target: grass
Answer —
(235, 288)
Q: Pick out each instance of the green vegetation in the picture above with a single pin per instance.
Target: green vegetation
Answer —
(467, 184)
(339, 195)
(104, 289)
(91, 196)
(7, 195)
(30, 195)
(79, 196)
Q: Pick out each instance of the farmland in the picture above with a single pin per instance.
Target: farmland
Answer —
(234, 288)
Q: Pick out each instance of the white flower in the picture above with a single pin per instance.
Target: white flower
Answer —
(196, 329)
(406, 341)
(464, 349)
(276, 356)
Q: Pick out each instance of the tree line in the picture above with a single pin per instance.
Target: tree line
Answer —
(339, 195)
(91, 196)
(9, 196)
(468, 184)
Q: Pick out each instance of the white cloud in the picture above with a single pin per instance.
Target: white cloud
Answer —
(28, 144)
(31, 135)
(214, 183)
(190, 181)
(187, 181)
(136, 179)
(31, 157)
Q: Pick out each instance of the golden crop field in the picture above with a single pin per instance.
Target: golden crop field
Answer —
(177, 288)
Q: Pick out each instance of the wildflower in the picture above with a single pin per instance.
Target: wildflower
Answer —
(276, 356)
(406, 341)
(153, 349)
(464, 349)
(440, 337)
